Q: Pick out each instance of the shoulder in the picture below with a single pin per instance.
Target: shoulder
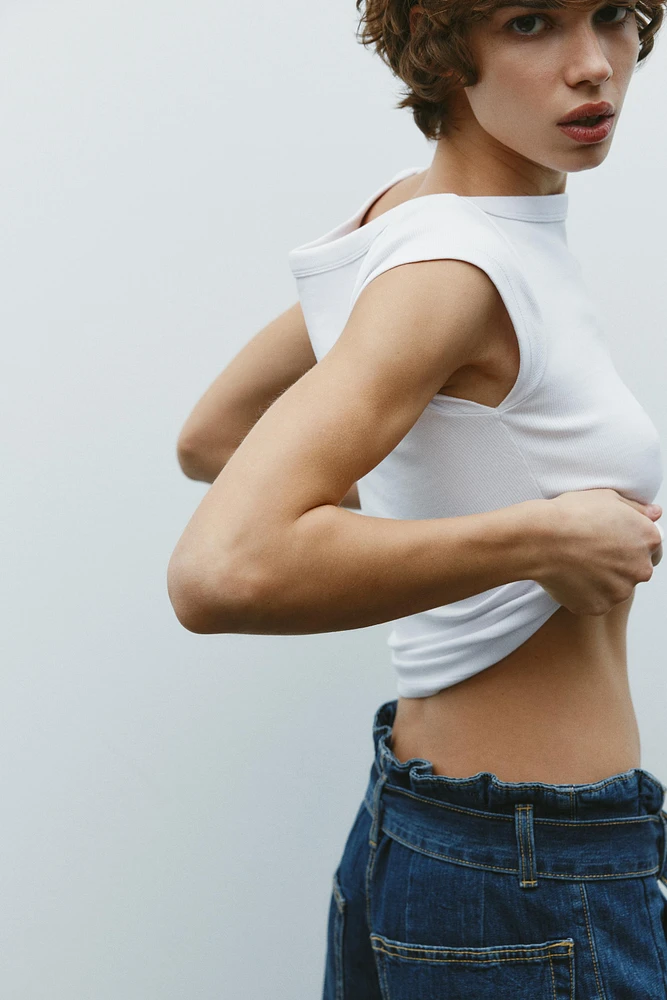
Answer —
(441, 227)
(398, 193)
(444, 303)
(447, 268)
(435, 222)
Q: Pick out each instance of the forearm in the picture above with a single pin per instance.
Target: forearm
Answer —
(335, 570)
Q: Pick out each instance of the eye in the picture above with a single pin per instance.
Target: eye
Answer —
(525, 17)
(613, 8)
(626, 11)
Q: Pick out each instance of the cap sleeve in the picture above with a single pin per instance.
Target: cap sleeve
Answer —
(446, 226)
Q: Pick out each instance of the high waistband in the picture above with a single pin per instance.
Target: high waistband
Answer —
(611, 828)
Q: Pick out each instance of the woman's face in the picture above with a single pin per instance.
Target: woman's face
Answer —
(536, 65)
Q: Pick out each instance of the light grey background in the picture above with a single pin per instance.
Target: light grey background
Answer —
(174, 805)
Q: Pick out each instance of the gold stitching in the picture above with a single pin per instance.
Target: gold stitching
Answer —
(571, 824)
(512, 871)
(530, 839)
(477, 959)
(536, 958)
(523, 859)
(584, 900)
(553, 979)
(487, 952)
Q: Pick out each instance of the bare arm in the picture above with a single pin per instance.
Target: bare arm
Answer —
(211, 465)
(270, 551)
(272, 361)
(265, 367)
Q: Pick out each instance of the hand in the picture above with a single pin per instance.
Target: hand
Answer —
(604, 545)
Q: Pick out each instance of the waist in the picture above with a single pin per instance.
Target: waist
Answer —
(557, 709)
(613, 829)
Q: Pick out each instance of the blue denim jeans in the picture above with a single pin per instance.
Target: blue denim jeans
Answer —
(480, 889)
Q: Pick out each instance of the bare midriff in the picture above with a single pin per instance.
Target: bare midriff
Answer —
(558, 709)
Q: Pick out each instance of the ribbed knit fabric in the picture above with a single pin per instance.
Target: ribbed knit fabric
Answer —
(568, 423)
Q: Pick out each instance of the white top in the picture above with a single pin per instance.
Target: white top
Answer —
(568, 423)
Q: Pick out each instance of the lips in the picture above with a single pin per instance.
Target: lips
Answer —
(601, 109)
(591, 120)
(589, 133)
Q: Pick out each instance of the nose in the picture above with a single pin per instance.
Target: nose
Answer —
(586, 58)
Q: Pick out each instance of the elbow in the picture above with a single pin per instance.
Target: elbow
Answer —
(188, 458)
(211, 604)
(203, 463)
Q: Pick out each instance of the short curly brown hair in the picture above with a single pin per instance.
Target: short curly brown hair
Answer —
(435, 59)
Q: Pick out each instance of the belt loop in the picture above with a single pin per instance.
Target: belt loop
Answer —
(377, 810)
(523, 825)
(662, 871)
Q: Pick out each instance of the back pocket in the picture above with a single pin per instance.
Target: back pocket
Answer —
(543, 971)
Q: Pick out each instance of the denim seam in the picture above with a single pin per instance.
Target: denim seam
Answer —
(338, 894)
(445, 961)
(381, 967)
(553, 980)
(379, 964)
(516, 953)
(385, 981)
(584, 899)
(571, 960)
(373, 840)
(369, 868)
(377, 810)
(573, 824)
(338, 933)
(515, 871)
(658, 947)
(662, 870)
(339, 930)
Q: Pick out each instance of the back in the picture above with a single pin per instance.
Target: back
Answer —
(568, 423)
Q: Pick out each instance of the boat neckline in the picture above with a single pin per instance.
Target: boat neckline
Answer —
(350, 235)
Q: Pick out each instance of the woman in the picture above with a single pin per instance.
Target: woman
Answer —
(509, 844)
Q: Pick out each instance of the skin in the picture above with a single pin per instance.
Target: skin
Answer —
(530, 75)
(559, 708)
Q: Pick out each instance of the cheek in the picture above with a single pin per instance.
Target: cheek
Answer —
(626, 60)
(514, 91)
(511, 77)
